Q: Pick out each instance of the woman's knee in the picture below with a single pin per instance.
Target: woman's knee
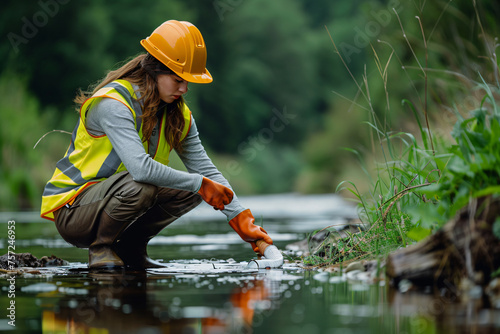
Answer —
(178, 202)
(140, 194)
(134, 199)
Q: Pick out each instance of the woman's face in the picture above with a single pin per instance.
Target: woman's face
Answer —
(171, 87)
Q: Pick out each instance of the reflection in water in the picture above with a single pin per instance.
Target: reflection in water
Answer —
(62, 300)
(271, 301)
(130, 302)
(447, 311)
(246, 299)
(116, 301)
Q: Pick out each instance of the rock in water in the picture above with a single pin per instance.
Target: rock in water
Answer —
(28, 260)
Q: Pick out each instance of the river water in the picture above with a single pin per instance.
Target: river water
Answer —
(208, 289)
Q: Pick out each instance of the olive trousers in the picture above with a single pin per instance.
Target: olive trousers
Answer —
(138, 211)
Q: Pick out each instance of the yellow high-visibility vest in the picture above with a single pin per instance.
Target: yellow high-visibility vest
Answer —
(91, 159)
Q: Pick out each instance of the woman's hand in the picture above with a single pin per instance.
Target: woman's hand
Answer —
(215, 194)
(243, 224)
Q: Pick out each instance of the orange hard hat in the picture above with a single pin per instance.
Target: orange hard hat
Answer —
(180, 46)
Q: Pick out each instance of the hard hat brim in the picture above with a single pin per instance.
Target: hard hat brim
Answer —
(201, 78)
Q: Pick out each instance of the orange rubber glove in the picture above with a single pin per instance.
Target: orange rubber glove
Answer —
(215, 194)
(243, 224)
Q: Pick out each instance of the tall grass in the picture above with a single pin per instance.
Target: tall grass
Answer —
(417, 185)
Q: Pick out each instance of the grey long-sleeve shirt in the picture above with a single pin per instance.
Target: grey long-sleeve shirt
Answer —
(113, 119)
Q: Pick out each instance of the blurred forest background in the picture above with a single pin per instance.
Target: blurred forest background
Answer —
(283, 105)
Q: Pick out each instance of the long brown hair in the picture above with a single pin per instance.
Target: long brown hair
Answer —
(142, 71)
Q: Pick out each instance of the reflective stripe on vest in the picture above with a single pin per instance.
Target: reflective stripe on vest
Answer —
(90, 159)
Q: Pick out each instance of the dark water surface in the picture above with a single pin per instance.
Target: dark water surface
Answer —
(291, 300)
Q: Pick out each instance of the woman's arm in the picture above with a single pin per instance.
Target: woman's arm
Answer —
(113, 119)
(196, 160)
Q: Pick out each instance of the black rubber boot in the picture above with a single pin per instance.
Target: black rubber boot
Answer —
(101, 252)
(132, 246)
(136, 257)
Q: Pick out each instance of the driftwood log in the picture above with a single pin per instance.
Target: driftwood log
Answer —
(464, 248)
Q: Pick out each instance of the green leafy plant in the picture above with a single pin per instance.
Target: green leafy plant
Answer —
(473, 166)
